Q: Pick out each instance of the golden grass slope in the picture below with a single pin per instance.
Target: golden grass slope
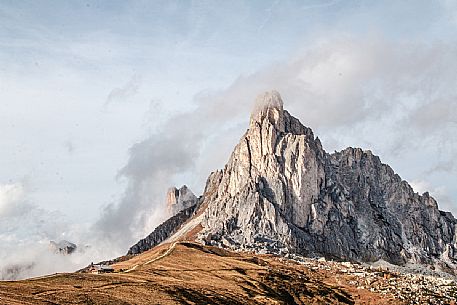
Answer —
(188, 273)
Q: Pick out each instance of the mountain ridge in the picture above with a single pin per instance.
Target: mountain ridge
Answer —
(280, 191)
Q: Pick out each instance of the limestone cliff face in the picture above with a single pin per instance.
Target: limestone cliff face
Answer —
(281, 191)
(179, 199)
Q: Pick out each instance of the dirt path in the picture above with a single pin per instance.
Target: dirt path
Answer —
(185, 228)
(168, 252)
(44, 276)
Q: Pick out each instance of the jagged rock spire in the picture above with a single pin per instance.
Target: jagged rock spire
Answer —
(281, 190)
(179, 199)
(268, 106)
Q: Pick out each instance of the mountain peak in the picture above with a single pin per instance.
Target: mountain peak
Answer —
(281, 192)
(270, 106)
(268, 99)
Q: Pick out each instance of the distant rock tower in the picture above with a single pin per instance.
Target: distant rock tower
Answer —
(179, 199)
(62, 247)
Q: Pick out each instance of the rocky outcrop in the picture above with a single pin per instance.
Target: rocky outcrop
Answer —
(63, 247)
(280, 191)
(163, 231)
(179, 199)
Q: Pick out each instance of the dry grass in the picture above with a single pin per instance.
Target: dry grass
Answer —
(189, 273)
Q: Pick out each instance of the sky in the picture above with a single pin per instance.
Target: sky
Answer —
(106, 104)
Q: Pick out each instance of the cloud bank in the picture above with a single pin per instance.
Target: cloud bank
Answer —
(26, 231)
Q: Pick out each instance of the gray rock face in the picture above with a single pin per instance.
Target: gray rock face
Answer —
(179, 199)
(163, 231)
(62, 247)
(281, 191)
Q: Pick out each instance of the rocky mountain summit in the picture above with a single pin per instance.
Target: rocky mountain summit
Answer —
(282, 192)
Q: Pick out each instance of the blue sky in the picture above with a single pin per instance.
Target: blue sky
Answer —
(104, 104)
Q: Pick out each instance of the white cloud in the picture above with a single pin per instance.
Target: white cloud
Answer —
(11, 198)
(25, 233)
